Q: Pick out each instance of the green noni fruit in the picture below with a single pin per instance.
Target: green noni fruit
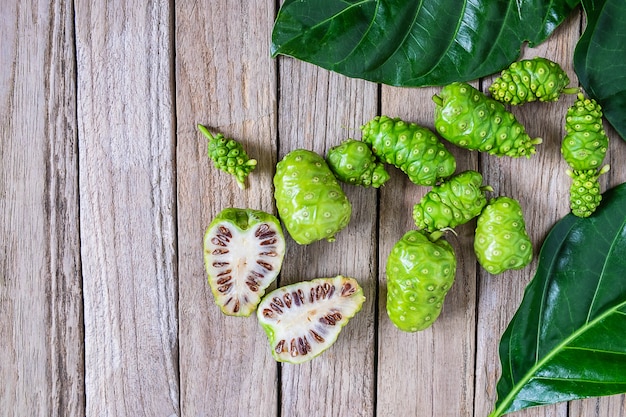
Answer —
(310, 201)
(501, 242)
(229, 156)
(585, 143)
(453, 202)
(414, 149)
(531, 80)
(585, 196)
(353, 162)
(471, 120)
(420, 271)
(243, 254)
(304, 319)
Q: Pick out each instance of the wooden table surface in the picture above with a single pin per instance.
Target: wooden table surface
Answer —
(106, 191)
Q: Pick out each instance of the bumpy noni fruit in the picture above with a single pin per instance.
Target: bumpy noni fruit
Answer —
(229, 156)
(453, 202)
(531, 80)
(243, 254)
(501, 242)
(585, 143)
(353, 162)
(585, 196)
(414, 149)
(420, 271)
(310, 201)
(471, 120)
(304, 319)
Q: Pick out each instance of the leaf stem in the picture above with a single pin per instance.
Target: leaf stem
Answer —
(501, 409)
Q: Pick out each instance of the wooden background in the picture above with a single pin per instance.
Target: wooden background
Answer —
(106, 190)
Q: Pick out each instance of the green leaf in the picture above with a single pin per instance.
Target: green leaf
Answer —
(567, 340)
(414, 42)
(600, 58)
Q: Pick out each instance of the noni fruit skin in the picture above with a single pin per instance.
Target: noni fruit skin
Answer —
(501, 242)
(229, 156)
(420, 271)
(585, 142)
(310, 201)
(471, 120)
(353, 162)
(530, 80)
(412, 148)
(454, 202)
(585, 196)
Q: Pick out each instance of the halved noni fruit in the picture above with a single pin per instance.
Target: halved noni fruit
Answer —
(243, 254)
(304, 319)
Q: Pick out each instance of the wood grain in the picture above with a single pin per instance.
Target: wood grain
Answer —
(226, 81)
(127, 207)
(41, 331)
(416, 369)
(106, 191)
(319, 110)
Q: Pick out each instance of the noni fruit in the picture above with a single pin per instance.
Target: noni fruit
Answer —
(310, 201)
(531, 80)
(501, 242)
(229, 156)
(304, 319)
(585, 143)
(585, 196)
(353, 162)
(414, 149)
(471, 120)
(420, 271)
(453, 202)
(243, 254)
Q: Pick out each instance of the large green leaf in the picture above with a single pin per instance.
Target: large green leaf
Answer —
(567, 340)
(600, 58)
(414, 42)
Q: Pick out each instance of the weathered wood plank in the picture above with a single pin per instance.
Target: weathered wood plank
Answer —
(127, 207)
(226, 81)
(542, 187)
(428, 372)
(41, 335)
(318, 110)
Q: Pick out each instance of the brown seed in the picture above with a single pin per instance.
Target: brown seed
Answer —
(293, 348)
(236, 307)
(224, 288)
(228, 271)
(224, 280)
(347, 290)
(287, 299)
(331, 290)
(269, 314)
(276, 308)
(225, 231)
(280, 346)
(220, 264)
(265, 265)
(317, 336)
(220, 251)
(267, 242)
(300, 295)
(278, 301)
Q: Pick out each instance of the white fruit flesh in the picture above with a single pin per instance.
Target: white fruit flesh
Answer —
(241, 264)
(304, 319)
